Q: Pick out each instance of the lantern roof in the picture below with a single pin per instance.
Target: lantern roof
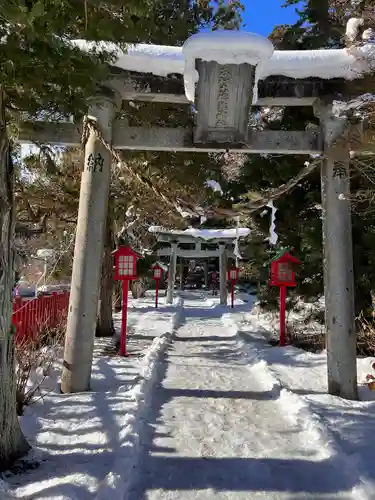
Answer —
(285, 256)
(160, 265)
(126, 250)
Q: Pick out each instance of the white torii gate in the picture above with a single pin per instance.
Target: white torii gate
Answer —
(223, 239)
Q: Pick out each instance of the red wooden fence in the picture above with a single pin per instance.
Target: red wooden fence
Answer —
(30, 317)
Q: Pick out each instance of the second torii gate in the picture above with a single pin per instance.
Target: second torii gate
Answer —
(222, 239)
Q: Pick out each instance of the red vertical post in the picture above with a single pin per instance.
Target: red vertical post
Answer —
(37, 317)
(28, 318)
(34, 317)
(53, 312)
(43, 310)
(156, 293)
(282, 315)
(16, 316)
(50, 311)
(124, 318)
(25, 315)
(232, 292)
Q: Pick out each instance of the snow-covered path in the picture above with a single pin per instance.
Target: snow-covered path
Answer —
(216, 428)
(82, 440)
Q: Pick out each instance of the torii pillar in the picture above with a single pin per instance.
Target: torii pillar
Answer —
(88, 251)
(223, 274)
(205, 267)
(341, 339)
(172, 273)
(181, 273)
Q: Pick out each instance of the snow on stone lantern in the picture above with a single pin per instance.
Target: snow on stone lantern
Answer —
(222, 69)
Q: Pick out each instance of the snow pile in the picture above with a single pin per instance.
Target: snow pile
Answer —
(43, 370)
(219, 425)
(352, 27)
(46, 253)
(117, 482)
(214, 185)
(81, 437)
(4, 494)
(160, 60)
(234, 417)
(205, 234)
(236, 47)
(225, 47)
(349, 63)
(302, 319)
(299, 379)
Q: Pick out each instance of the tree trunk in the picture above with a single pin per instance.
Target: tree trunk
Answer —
(13, 445)
(118, 296)
(104, 325)
(138, 288)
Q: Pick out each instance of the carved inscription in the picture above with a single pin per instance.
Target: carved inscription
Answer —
(95, 162)
(223, 96)
(339, 171)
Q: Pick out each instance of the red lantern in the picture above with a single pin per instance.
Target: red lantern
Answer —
(232, 276)
(125, 270)
(157, 274)
(126, 263)
(283, 275)
(283, 270)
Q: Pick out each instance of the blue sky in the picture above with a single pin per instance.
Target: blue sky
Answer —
(262, 15)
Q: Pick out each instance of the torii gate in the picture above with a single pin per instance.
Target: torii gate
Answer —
(224, 74)
(222, 239)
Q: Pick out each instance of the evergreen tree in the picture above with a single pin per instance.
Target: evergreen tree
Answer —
(321, 24)
(42, 72)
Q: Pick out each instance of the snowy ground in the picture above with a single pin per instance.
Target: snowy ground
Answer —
(301, 319)
(211, 411)
(81, 437)
(222, 427)
(349, 424)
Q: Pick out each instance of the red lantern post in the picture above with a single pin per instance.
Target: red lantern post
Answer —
(157, 274)
(283, 275)
(125, 270)
(232, 277)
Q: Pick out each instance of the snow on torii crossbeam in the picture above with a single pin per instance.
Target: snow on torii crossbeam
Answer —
(220, 76)
(203, 71)
(222, 238)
